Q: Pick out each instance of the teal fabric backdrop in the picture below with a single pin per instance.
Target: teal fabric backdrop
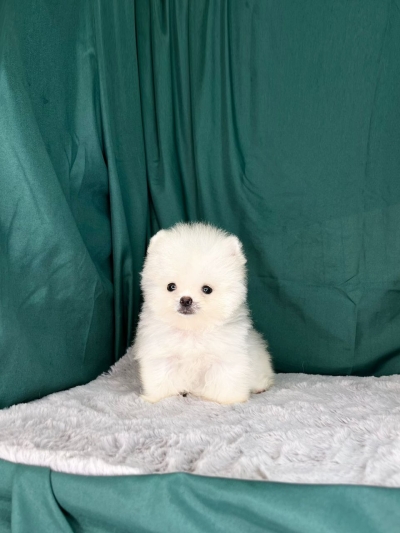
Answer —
(277, 120)
(55, 263)
(280, 121)
(37, 500)
(73, 193)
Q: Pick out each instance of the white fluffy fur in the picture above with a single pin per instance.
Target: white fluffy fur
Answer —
(213, 353)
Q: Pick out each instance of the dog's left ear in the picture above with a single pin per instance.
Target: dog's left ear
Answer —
(236, 248)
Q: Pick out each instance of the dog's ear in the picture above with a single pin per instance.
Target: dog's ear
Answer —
(156, 238)
(236, 248)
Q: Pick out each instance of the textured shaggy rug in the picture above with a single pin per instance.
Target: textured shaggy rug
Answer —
(308, 429)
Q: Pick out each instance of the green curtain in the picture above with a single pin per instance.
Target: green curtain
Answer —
(73, 192)
(55, 261)
(279, 121)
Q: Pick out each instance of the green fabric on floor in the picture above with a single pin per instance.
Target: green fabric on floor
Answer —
(49, 501)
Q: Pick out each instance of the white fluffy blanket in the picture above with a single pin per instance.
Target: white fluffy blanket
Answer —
(306, 429)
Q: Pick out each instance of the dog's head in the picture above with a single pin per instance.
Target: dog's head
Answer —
(194, 276)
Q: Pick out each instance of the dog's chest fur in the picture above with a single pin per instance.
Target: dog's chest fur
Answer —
(185, 357)
(188, 359)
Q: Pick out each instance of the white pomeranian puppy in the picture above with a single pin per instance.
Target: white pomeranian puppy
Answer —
(195, 334)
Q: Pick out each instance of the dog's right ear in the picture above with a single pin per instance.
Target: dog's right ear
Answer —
(156, 238)
(236, 248)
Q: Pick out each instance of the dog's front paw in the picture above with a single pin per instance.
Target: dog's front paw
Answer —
(263, 385)
(150, 399)
(232, 400)
(227, 399)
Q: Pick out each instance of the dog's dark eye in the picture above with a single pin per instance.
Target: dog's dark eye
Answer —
(171, 287)
(206, 289)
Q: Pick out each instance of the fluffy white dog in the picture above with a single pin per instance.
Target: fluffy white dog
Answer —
(195, 334)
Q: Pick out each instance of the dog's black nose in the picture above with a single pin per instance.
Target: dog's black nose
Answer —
(186, 301)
